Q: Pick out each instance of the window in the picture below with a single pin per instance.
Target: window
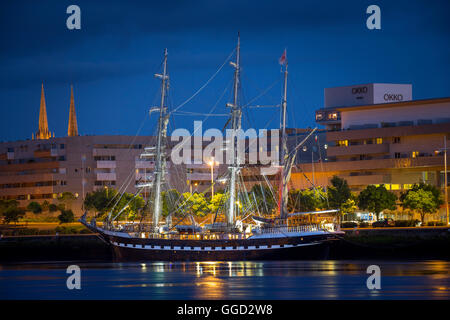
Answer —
(61, 146)
(396, 140)
(319, 116)
(379, 140)
(105, 158)
(397, 155)
(415, 154)
(332, 116)
(342, 143)
(363, 157)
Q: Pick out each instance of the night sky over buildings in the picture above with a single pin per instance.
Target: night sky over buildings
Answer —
(112, 59)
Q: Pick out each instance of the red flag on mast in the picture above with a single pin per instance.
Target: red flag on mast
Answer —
(283, 58)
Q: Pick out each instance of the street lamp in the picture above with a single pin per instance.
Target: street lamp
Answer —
(212, 163)
(445, 177)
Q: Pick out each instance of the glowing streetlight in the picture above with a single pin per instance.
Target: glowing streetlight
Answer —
(211, 163)
(445, 176)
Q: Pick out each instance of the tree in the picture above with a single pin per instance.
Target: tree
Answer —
(306, 200)
(264, 199)
(348, 209)
(101, 200)
(437, 194)
(217, 202)
(421, 201)
(45, 205)
(376, 199)
(128, 206)
(66, 216)
(10, 211)
(66, 199)
(338, 193)
(195, 204)
(13, 214)
(171, 200)
(52, 207)
(6, 204)
(34, 207)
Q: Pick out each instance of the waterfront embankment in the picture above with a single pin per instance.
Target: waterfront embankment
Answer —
(382, 243)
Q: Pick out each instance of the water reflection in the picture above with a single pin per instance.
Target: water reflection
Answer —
(229, 280)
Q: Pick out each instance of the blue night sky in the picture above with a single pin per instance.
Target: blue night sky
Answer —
(112, 59)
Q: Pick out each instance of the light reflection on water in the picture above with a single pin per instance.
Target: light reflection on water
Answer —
(228, 280)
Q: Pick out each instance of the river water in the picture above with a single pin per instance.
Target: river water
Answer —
(228, 280)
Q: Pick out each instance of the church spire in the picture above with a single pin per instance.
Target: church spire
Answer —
(73, 127)
(43, 132)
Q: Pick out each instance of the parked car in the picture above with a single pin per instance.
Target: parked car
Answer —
(383, 223)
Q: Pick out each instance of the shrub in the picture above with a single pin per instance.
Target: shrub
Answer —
(66, 216)
(52, 207)
(363, 224)
(435, 223)
(13, 214)
(405, 223)
(349, 224)
(34, 207)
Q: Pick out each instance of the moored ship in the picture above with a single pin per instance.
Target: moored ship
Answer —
(242, 235)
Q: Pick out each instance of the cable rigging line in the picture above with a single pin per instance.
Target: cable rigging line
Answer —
(207, 82)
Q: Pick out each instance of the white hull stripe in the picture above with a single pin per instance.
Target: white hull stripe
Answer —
(188, 248)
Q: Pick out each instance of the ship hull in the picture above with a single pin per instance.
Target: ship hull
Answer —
(303, 252)
(307, 246)
(281, 246)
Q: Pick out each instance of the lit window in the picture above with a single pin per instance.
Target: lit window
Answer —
(342, 143)
(415, 154)
(379, 140)
(395, 187)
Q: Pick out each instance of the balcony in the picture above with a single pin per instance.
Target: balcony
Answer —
(358, 149)
(106, 164)
(367, 179)
(402, 131)
(106, 176)
(145, 164)
(144, 176)
(423, 163)
(201, 176)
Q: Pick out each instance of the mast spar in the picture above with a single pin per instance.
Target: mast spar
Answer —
(160, 157)
(236, 114)
(286, 163)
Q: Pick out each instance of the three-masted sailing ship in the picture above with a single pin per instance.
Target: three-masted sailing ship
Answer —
(264, 239)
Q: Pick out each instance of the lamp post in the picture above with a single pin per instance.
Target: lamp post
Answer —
(212, 163)
(445, 178)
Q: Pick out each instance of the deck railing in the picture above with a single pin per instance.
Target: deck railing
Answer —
(303, 228)
(146, 231)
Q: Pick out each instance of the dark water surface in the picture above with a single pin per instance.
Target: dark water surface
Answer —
(228, 280)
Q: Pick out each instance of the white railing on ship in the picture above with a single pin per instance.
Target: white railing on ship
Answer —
(304, 228)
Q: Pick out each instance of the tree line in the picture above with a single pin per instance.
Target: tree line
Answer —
(421, 198)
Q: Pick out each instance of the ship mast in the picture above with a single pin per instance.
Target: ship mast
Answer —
(160, 156)
(236, 115)
(285, 162)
